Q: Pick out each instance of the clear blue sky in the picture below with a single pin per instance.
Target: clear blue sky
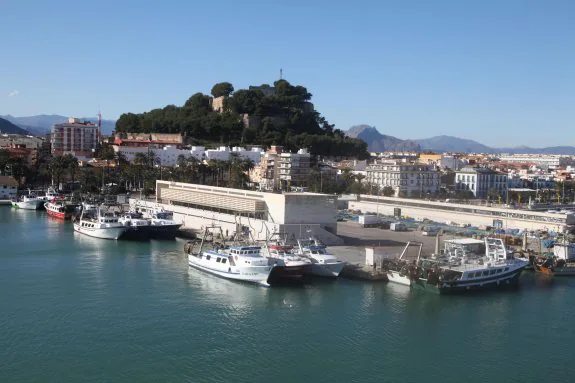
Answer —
(498, 71)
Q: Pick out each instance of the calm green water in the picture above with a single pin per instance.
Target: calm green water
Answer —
(77, 309)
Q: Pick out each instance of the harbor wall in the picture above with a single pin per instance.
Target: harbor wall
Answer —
(474, 219)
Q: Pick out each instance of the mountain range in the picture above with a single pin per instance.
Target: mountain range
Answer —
(10, 128)
(378, 142)
(42, 124)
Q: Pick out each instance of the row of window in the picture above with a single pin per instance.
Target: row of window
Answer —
(486, 273)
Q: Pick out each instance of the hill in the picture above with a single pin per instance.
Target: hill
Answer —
(42, 124)
(453, 144)
(266, 115)
(8, 127)
(377, 142)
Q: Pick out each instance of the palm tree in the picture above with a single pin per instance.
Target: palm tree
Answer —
(71, 163)
(56, 166)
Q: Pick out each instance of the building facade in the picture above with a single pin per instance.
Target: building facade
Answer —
(79, 138)
(407, 179)
(480, 180)
(8, 187)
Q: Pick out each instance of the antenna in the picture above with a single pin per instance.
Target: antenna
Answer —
(281, 73)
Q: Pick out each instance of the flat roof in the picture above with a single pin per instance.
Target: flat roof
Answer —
(464, 241)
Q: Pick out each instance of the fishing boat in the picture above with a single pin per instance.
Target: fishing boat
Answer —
(137, 228)
(99, 223)
(239, 263)
(401, 270)
(28, 201)
(288, 264)
(161, 220)
(49, 195)
(470, 264)
(560, 263)
(323, 263)
(61, 209)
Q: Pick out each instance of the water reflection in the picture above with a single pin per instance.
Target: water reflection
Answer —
(240, 298)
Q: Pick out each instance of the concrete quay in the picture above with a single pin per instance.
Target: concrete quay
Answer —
(357, 239)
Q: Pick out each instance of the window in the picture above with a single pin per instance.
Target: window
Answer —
(485, 273)
(208, 257)
(218, 259)
(224, 260)
(492, 271)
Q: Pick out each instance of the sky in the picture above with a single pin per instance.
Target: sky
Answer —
(499, 72)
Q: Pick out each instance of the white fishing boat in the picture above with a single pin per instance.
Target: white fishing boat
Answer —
(99, 223)
(162, 221)
(28, 201)
(239, 263)
(323, 263)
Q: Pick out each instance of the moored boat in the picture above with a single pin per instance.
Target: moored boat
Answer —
(137, 228)
(99, 223)
(288, 264)
(469, 265)
(29, 201)
(239, 263)
(61, 209)
(323, 263)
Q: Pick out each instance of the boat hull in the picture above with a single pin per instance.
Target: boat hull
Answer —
(27, 205)
(399, 278)
(503, 281)
(290, 272)
(330, 270)
(102, 233)
(255, 274)
(66, 215)
(163, 231)
(136, 233)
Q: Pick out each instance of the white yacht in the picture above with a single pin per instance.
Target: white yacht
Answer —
(240, 263)
(322, 263)
(29, 201)
(99, 223)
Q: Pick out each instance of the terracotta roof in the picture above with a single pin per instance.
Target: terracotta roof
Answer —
(7, 180)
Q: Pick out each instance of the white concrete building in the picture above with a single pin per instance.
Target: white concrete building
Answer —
(551, 161)
(451, 162)
(480, 180)
(294, 168)
(407, 179)
(168, 155)
(298, 215)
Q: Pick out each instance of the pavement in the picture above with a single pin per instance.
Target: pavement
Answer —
(357, 238)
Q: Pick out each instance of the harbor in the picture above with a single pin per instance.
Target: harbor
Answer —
(65, 287)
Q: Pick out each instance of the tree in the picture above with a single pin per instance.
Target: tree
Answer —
(493, 194)
(222, 89)
(71, 163)
(57, 165)
(388, 191)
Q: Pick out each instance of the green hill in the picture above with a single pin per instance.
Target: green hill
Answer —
(262, 115)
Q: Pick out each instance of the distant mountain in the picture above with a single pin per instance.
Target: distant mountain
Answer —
(377, 142)
(453, 144)
(8, 127)
(42, 124)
